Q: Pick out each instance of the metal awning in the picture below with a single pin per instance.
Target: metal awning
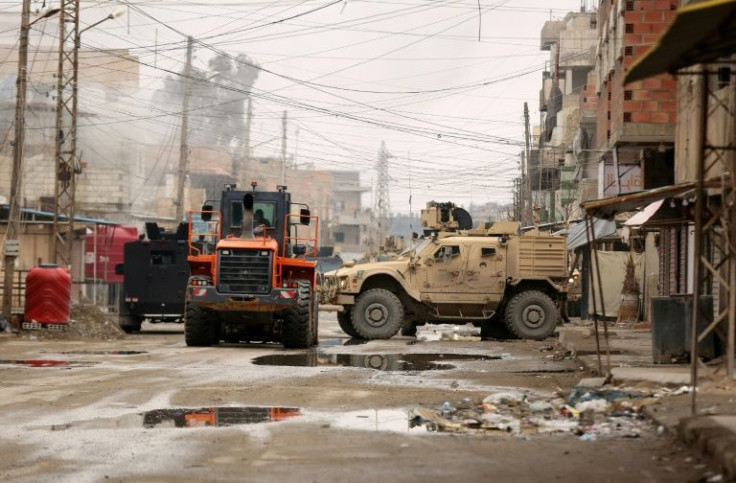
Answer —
(49, 215)
(609, 207)
(700, 33)
(576, 236)
(644, 215)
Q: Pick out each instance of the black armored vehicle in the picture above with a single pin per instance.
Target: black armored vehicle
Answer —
(155, 273)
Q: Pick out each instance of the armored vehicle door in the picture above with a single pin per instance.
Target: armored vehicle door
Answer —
(442, 279)
(486, 270)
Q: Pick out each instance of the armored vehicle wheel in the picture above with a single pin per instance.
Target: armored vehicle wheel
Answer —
(409, 329)
(378, 314)
(344, 318)
(298, 325)
(130, 323)
(531, 315)
(198, 330)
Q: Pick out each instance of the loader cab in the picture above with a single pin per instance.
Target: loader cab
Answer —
(269, 210)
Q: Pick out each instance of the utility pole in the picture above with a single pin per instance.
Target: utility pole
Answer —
(296, 148)
(12, 246)
(283, 149)
(245, 166)
(526, 171)
(184, 146)
(67, 163)
(382, 201)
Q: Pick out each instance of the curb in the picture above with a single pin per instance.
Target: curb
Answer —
(711, 438)
(705, 434)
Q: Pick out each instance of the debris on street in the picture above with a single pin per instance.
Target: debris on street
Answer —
(88, 322)
(586, 412)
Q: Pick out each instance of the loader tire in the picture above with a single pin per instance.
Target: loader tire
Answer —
(378, 314)
(298, 325)
(531, 315)
(199, 328)
(345, 320)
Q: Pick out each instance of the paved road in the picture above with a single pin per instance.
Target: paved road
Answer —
(111, 411)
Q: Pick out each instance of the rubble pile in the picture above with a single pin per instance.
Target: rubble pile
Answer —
(587, 412)
(88, 322)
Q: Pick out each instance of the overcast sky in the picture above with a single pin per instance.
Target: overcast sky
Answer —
(441, 82)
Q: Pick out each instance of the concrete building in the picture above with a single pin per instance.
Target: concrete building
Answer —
(635, 126)
(562, 141)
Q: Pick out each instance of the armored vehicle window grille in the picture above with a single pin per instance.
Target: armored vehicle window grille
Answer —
(447, 253)
(487, 252)
(244, 271)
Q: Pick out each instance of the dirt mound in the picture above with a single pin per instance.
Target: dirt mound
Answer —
(87, 322)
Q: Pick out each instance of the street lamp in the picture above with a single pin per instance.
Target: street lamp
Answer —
(12, 246)
(115, 13)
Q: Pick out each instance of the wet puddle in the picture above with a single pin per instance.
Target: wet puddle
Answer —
(190, 418)
(391, 420)
(104, 353)
(46, 363)
(380, 362)
(216, 416)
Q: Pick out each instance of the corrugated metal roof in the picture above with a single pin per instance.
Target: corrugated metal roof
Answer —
(700, 33)
(80, 219)
(577, 237)
(644, 215)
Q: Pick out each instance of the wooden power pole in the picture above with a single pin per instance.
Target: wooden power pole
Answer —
(283, 148)
(184, 146)
(525, 171)
(12, 245)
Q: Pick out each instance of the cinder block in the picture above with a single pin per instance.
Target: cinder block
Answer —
(668, 106)
(654, 16)
(641, 117)
(653, 83)
(661, 117)
(650, 106)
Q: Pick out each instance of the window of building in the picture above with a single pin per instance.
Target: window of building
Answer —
(339, 237)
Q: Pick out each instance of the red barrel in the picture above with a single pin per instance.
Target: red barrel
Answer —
(48, 295)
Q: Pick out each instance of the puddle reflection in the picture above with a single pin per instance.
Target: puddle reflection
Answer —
(380, 362)
(46, 363)
(216, 416)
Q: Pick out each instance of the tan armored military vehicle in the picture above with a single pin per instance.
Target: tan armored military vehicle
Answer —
(509, 284)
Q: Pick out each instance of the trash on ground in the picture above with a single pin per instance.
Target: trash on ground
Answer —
(589, 413)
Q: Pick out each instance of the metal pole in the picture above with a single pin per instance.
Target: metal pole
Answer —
(590, 236)
(67, 165)
(697, 248)
(184, 146)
